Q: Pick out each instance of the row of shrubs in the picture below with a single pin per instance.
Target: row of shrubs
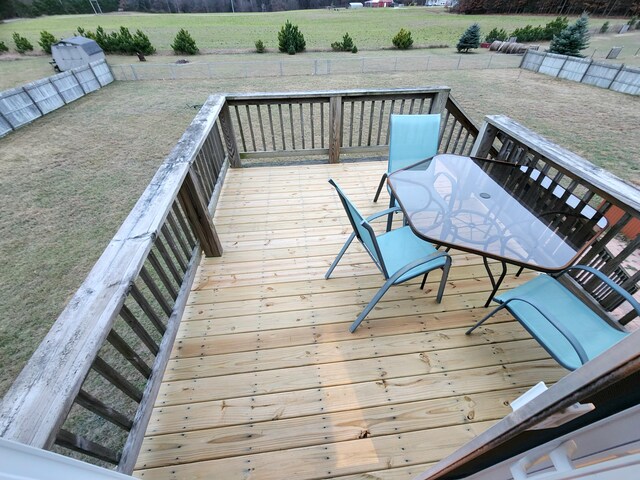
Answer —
(121, 41)
(530, 33)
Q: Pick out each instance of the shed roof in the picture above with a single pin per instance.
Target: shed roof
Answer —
(88, 45)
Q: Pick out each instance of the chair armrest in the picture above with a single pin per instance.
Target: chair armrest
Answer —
(383, 213)
(606, 280)
(558, 326)
(417, 263)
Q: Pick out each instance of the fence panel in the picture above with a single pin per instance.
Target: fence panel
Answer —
(68, 86)
(44, 95)
(87, 79)
(102, 72)
(22, 105)
(17, 107)
(627, 81)
(601, 74)
(532, 60)
(552, 64)
(574, 69)
(605, 75)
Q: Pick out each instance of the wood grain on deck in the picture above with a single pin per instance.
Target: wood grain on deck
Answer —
(266, 382)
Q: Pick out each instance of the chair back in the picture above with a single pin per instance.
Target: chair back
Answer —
(361, 227)
(412, 138)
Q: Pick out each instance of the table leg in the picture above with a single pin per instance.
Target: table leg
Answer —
(494, 283)
(392, 202)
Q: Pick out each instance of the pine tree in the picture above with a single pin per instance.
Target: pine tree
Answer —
(469, 39)
(572, 39)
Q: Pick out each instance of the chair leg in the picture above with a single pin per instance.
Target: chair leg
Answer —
(493, 312)
(344, 249)
(382, 182)
(376, 298)
(443, 282)
(424, 280)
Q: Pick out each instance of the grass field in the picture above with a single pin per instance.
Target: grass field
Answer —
(370, 28)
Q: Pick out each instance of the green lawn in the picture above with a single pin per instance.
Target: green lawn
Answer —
(370, 28)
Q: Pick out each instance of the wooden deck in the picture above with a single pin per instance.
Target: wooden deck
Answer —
(265, 380)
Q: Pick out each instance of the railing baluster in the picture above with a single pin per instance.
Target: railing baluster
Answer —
(91, 403)
(182, 242)
(264, 145)
(273, 137)
(361, 123)
(240, 128)
(174, 249)
(186, 230)
(116, 379)
(155, 262)
(138, 329)
(128, 353)
(372, 106)
(146, 307)
(85, 446)
(250, 122)
(293, 132)
(322, 120)
(301, 124)
(284, 144)
(380, 120)
(351, 125)
(155, 291)
(313, 138)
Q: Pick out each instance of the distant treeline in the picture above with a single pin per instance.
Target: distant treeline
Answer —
(603, 8)
(32, 8)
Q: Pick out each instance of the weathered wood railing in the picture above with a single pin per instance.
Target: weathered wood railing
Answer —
(105, 356)
(304, 124)
(552, 174)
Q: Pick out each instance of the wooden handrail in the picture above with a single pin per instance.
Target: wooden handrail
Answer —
(38, 402)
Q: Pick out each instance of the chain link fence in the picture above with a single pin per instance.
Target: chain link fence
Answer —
(295, 67)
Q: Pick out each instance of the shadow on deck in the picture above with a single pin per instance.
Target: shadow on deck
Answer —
(265, 380)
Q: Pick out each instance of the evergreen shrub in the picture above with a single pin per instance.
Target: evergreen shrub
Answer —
(469, 39)
(46, 40)
(291, 39)
(22, 44)
(402, 40)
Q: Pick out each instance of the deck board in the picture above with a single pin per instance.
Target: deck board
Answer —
(266, 382)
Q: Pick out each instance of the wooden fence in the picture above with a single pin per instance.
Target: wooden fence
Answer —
(105, 356)
(616, 77)
(22, 105)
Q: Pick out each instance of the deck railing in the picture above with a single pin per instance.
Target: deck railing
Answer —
(551, 174)
(105, 356)
(338, 122)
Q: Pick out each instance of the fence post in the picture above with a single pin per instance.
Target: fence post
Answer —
(459, 60)
(586, 71)
(491, 58)
(280, 67)
(195, 208)
(335, 128)
(328, 67)
(229, 136)
(95, 76)
(84, 92)
(616, 76)
(32, 100)
(427, 66)
(133, 71)
(7, 120)
(57, 91)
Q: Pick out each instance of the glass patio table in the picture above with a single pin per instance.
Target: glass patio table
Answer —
(511, 213)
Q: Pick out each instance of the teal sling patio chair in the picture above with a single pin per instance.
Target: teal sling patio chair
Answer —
(399, 254)
(566, 327)
(411, 138)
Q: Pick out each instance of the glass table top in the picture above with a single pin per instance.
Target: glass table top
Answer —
(500, 210)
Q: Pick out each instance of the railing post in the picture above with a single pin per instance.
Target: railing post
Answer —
(439, 102)
(484, 141)
(335, 128)
(195, 207)
(229, 136)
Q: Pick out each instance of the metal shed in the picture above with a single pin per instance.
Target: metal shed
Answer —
(74, 52)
